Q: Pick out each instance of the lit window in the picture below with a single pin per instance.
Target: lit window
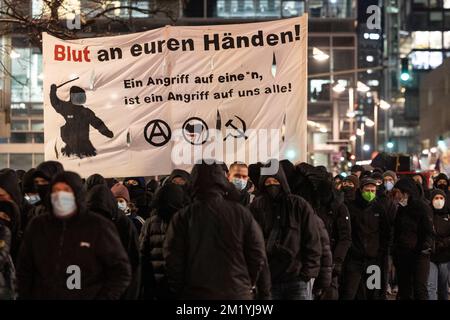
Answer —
(420, 40)
(447, 39)
(435, 40)
(424, 60)
(435, 59)
(446, 4)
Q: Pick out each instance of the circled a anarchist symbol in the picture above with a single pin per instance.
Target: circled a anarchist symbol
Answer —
(157, 132)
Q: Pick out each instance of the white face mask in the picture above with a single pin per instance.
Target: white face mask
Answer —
(438, 204)
(389, 185)
(122, 206)
(63, 203)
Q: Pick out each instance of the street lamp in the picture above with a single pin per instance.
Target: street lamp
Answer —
(369, 123)
(319, 55)
(339, 88)
(361, 87)
(390, 145)
(366, 147)
(384, 105)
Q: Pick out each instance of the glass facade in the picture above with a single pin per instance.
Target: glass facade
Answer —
(23, 161)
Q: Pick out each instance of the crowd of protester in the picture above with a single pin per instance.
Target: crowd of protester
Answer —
(224, 233)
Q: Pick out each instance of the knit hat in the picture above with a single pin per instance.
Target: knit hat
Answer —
(354, 179)
(120, 191)
(391, 174)
(366, 181)
(436, 192)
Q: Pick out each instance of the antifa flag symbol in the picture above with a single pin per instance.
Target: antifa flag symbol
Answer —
(195, 131)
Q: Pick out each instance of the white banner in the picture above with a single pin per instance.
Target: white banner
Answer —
(143, 104)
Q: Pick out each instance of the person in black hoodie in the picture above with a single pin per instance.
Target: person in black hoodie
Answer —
(70, 252)
(183, 179)
(441, 182)
(214, 249)
(168, 200)
(370, 239)
(292, 237)
(139, 195)
(95, 180)
(8, 287)
(420, 179)
(350, 185)
(10, 192)
(440, 258)
(101, 201)
(335, 215)
(42, 177)
(412, 247)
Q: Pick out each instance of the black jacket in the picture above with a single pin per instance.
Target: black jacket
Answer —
(10, 216)
(8, 288)
(336, 218)
(413, 228)
(326, 262)
(87, 240)
(168, 200)
(101, 201)
(441, 222)
(299, 232)
(370, 228)
(214, 249)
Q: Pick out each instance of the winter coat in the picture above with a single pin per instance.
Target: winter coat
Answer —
(441, 223)
(413, 228)
(336, 218)
(10, 217)
(326, 261)
(299, 232)
(168, 200)
(370, 228)
(8, 290)
(56, 251)
(101, 201)
(214, 249)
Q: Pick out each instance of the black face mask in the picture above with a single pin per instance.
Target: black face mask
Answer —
(442, 186)
(273, 191)
(347, 189)
(43, 190)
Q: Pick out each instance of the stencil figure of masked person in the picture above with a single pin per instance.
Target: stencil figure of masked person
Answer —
(75, 132)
